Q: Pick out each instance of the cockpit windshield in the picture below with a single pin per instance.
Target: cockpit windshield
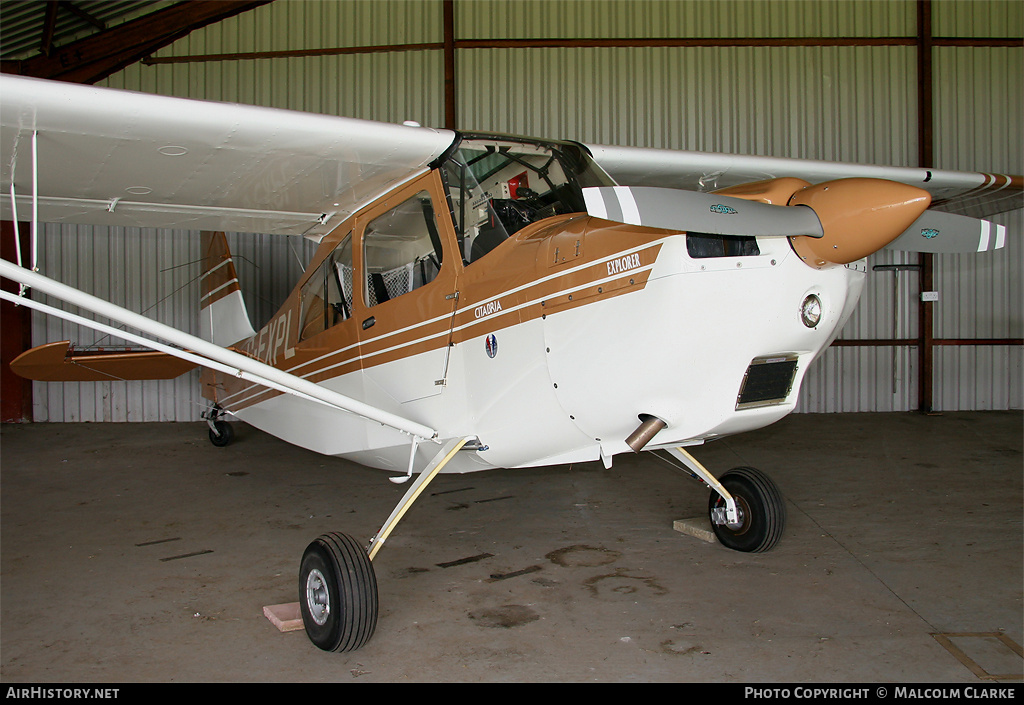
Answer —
(499, 185)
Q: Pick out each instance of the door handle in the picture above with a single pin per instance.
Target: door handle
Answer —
(368, 323)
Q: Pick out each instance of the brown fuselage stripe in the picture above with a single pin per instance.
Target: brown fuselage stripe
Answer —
(544, 294)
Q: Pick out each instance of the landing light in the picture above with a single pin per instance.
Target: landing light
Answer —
(810, 311)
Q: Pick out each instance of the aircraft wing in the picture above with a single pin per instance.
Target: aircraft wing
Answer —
(113, 157)
(973, 194)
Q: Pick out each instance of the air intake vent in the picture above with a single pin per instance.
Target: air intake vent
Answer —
(768, 381)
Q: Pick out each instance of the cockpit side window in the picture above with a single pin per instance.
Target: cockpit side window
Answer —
(401, 250)
(496, 187)
(477, 225)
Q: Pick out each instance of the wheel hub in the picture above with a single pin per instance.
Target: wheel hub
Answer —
(720, 516)
(318, 599)
(741, 517)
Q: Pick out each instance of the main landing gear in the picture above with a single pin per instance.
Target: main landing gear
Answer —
(337, 593)
(746, 508)
(337, 585)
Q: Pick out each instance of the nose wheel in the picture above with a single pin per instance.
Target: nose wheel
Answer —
(760, 512)
(746, 508)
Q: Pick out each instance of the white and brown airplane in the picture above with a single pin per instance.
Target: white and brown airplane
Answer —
(477, 301)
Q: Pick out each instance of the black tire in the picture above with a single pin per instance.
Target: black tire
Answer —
(337, 593)
(226, 434)
(762, 513)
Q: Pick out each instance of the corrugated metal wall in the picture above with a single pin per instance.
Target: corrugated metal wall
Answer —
(154, 272)
(392, 87)
(133, 268)
(849, 103)
(979, 106)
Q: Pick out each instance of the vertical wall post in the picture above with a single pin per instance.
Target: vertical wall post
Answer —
(925, 147)
(450, 119)
(16, 324)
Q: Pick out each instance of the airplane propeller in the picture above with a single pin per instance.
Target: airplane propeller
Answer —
(832, 223)
(690, 211)
(859, 216)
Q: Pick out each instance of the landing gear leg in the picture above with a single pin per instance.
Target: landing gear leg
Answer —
(746, 508)
(337, 585)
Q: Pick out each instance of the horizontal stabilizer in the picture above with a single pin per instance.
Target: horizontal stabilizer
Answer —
(60, 362)
(690, 211)
(194, 349)
(947, 233)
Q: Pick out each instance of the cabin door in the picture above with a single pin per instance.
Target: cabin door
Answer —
(408, 270)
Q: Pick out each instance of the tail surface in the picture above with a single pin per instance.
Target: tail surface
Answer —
(223, 319)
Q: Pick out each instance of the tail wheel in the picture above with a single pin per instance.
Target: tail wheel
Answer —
(337, 593)
(223, 435)
(761, 511)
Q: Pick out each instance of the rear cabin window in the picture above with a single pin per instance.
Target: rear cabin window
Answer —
(327, 295)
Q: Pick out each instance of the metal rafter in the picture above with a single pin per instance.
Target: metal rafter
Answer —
(95, 57)
(49, 23)
(75, 10)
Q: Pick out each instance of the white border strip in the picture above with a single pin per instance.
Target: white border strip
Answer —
(595, 203)
(222, 286)
(204, 275)
(985, 229)
(630, 211)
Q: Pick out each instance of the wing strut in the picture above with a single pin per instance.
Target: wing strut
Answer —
(35, 207)
(237, 364)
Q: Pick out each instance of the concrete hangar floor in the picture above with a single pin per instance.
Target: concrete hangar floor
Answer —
(142, 553)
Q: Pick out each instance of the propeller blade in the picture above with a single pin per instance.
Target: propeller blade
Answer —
(947, 233)
(691, 211)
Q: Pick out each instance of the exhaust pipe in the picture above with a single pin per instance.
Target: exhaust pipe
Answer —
(649, 427)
